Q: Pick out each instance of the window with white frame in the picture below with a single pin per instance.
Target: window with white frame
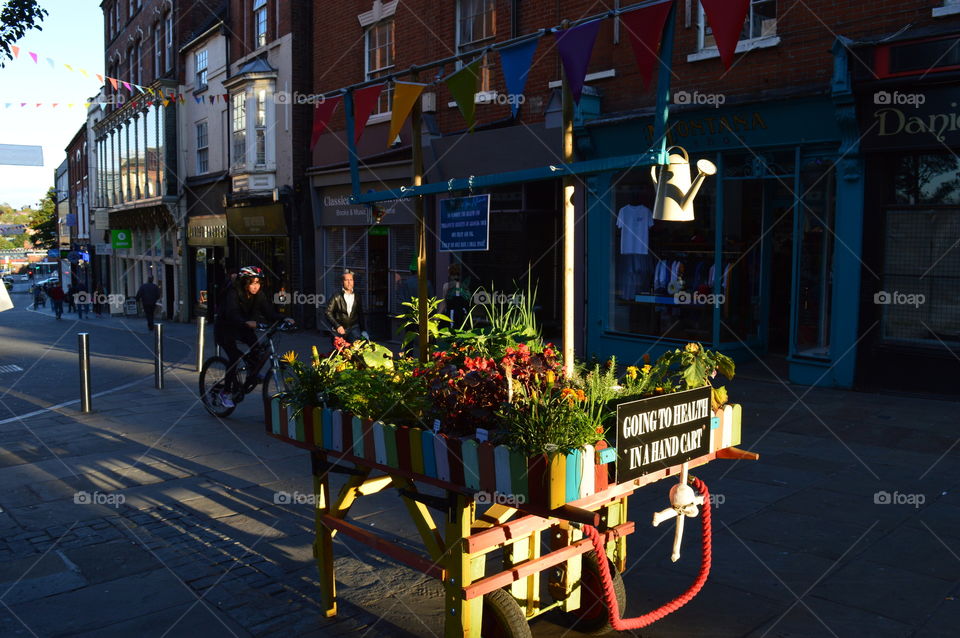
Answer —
(201, 63)
(131, 8)
(476, 29)
(259, 23)
(168, 32)
(260, 128)
(239, 129)
(116, 16)
(761, 22)
(379, 58)
(203, 150)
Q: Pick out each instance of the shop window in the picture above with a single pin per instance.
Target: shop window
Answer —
(201, 70)
(759, 30)
(260, 128)
(259, 23)
(345, 248)
(476, 29)
(380, 59)
(921, 259)
(239, 130)
(661, 271)
(815, 243)
(203, 151)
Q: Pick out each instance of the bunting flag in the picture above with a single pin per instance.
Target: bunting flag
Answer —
(515, 62)
(69, 68)
(52, 64)
(99, 77)
(575, 46)
(34, 56)
(364, 102)
(405, 96)
(462, 85)
(645, 29)
(322, 113)
(84, 73)
(114, 82)
(198, 99)
(127, 86)
(226, 97)
(726, 19)
(16, 51)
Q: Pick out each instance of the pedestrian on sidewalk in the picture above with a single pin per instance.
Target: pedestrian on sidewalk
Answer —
(56, 299)
(71, 303)
(81, 297)
(149, 295)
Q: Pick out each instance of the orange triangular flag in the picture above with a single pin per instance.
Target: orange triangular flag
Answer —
(100, 77)
(115, 83)
(405, 95)
(16, 51)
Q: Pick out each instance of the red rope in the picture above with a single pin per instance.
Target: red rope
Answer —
(625, 624)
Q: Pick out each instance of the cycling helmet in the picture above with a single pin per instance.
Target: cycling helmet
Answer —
(249, 272)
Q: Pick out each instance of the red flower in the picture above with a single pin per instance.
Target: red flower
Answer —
(340, 343)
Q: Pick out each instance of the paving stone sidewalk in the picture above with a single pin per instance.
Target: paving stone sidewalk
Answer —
(805, 541)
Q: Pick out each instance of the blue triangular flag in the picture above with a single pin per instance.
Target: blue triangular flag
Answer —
(198, 98)
(516, 61)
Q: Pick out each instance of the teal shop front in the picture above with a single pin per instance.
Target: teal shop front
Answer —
(770, 265)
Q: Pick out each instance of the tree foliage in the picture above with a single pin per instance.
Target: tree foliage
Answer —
(16, 18)
(44, 222)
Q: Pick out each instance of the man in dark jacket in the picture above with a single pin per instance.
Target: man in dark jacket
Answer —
(149, 295)
(244, 306)
(344, 312)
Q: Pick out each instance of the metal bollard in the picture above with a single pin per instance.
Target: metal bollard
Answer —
(158, 357)
(201, 340)
(83, 342)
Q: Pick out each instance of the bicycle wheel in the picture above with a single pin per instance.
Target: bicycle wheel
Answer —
(277, 381)
(213, 379)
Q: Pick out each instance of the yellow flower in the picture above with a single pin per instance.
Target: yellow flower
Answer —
(632, 372)
(693, 347)
(551, 377)
(315, 354)
(290, 357)
(646, 369)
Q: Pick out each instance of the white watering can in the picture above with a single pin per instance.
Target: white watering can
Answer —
(675, 192)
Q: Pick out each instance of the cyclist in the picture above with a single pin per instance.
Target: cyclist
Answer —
(244, 305)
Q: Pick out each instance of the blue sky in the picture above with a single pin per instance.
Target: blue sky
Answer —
(72, 34)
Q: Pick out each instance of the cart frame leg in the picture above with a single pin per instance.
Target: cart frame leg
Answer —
(323, 538)
(462, 618)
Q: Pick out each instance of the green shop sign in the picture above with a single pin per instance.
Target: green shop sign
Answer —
(120, 239)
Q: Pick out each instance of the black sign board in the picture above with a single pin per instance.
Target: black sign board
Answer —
(659, 432)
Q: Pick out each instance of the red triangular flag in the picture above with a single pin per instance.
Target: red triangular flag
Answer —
(321, 117)
(364, 101)
(226, 97)
(726, 19)
(645, 29)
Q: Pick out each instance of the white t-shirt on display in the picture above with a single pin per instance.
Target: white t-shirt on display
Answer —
(635, 222)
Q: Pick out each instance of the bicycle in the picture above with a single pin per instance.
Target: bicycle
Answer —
(259, 364)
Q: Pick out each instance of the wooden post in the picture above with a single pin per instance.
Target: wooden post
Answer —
(417, 152)
(569, 225)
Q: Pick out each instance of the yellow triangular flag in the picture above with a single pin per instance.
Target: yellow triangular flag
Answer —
(84, 72)
(69, 68)
(405, 95)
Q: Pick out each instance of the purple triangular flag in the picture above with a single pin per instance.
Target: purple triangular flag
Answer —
(575, 46)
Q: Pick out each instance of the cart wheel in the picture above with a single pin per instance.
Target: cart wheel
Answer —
(592, 615)
(502, 617)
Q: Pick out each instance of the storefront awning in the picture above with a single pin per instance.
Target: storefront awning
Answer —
(257, 221)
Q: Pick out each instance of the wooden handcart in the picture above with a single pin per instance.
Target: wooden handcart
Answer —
(490, 562)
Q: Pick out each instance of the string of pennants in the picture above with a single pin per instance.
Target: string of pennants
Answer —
(165, 99)
(644, 26)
